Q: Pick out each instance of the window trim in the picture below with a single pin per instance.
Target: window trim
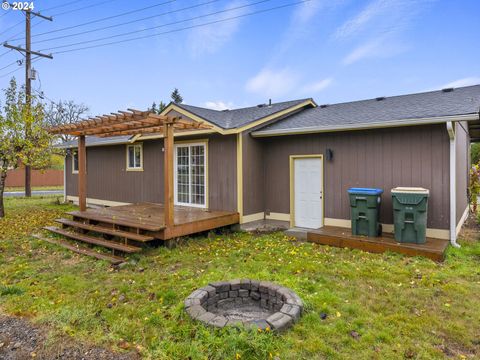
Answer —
(128, 168)
(74, 152)
(188, 143)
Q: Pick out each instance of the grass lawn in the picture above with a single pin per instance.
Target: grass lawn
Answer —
(34, 188)
(400, 307)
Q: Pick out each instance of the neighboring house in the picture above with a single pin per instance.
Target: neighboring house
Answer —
(294, 161)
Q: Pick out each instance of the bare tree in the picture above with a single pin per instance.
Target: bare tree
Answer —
(65, 112)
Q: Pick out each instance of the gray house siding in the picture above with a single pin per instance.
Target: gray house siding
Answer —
(107, 178)
(384, 158)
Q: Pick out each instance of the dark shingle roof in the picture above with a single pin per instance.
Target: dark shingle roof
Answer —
(231, 119)
(96, 141)
(460, 101)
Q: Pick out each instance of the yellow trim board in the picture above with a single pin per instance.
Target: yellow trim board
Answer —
(292, 159)
(388, 228)
(97, 201)
(308, 102)
(177, 134)
(252, 217)
(127, 167)
(278, 216)
(240, 176)
(203, 142)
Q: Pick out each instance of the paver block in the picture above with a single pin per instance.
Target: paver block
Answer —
(235, 284)
(195, 311)
(264, 286)
(218, 321)
(210, 290)
(279, 321)
(191, 302)
(206, 317)
(243, 293)
(292, 310)
(255, 295)
(221, 285)
(245, 284)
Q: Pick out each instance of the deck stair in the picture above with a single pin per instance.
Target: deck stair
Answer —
(114, 260)
(104, 230)
(116, 246)
(121, 218)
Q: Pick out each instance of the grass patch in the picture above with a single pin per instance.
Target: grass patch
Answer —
(400, 307)
(10, 290)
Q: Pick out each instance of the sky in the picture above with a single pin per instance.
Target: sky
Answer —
(236, 53)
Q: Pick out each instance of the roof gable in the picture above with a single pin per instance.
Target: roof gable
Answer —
(237, 120)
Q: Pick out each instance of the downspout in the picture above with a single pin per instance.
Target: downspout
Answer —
(453, 188)
(65, 178)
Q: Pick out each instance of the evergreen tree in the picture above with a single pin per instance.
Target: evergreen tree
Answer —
(176, 97)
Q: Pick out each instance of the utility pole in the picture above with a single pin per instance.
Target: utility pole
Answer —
(28, 82)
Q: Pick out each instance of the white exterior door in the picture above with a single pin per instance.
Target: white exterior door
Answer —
(308, 192)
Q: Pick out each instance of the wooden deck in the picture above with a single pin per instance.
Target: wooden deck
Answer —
(342, 237)
(125, 229)
(148, 218)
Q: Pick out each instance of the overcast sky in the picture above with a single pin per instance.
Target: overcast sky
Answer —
(333, 51)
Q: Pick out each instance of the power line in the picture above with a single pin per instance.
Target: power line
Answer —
(63, 5)
(7, 66)
(158, 26)
(185, 28)
(11, 72)
(83, 7)
(13, 37)
(11, 27)
(102, 19)
(130, 22)
(5, 53)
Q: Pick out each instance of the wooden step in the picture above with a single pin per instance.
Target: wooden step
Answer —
(114, 260)
(117, 220)
(94, 240)
(105, 230)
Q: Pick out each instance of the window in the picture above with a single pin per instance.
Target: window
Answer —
(191, 174)
(75, 162)
(135, 157)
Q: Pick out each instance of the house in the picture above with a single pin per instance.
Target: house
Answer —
(294, 161)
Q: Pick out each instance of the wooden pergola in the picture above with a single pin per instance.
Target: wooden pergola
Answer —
(131, 122)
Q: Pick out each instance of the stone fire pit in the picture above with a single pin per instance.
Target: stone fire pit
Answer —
(249, 303)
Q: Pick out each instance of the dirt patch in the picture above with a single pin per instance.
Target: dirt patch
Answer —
(471, 229)
(20, 340)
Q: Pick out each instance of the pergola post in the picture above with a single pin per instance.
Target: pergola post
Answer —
(82, 172)
(168, 174)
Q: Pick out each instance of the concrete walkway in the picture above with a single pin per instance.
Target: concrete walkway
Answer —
(34, 193)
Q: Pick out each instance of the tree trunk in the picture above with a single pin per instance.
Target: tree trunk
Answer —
(3, 177)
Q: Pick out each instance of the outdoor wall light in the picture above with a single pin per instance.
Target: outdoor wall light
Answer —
(329, 154)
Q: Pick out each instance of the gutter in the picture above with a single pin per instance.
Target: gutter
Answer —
(375, 125)
(453, 187)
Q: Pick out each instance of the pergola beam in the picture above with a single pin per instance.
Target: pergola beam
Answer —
(131, 122)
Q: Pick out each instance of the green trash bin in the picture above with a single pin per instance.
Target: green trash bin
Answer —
(365, 211)
(410, 214)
